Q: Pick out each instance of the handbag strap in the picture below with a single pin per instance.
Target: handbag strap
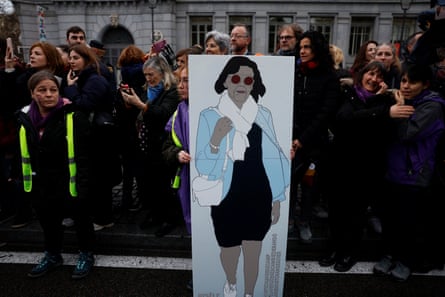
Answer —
(227, 144)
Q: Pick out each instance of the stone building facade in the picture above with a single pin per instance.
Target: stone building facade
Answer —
(117, 23)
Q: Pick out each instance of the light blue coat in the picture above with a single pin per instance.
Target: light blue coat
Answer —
(275, 162)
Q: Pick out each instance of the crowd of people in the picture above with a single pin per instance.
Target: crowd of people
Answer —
(363, 144)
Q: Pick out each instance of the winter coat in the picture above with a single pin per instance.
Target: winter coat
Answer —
(49, 156)
(411, 157)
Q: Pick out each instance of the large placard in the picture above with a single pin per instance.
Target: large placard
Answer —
(240, 136)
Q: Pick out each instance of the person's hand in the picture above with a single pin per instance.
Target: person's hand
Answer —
(184, 157)
(400, 110)
(150, 54)
(10, 59)
(275, 215)
(71, 78)
(346, 81)
(383, 88)
(129, 96)
(170, 56)
(400, 99)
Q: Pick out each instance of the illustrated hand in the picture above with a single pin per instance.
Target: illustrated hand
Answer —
(275, 215)
(170, 56)
(222, 127)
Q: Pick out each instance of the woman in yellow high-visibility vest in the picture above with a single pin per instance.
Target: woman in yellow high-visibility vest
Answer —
(55, 167)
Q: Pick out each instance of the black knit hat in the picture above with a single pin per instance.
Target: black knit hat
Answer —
(96, 44)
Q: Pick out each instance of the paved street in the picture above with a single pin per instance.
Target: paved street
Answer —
(131, 262)
(167, 277)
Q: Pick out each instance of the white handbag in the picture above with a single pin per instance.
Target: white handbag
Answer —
(210, 192)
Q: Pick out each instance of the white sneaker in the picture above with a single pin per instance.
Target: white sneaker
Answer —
(98, 227)
(68, 222)
(229, 290)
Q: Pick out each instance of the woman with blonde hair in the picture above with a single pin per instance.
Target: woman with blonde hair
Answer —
(387, 54)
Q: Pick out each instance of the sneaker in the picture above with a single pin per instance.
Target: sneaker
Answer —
(229, 290)
(383, 267)
(47, 263)
(68, 222)
(83, 266)
(320, 212)
(305, 233)
(20, 222)
(98, 227)
(400, 272)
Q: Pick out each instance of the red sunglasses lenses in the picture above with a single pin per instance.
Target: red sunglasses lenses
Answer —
(236, 79)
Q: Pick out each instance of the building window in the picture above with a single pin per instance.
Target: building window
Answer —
(115, 39)
(409, 28)
(361, 31)
(323, 25)
(275, 22)
(199, 26)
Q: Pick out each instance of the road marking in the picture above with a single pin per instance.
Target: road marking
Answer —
(139, 262)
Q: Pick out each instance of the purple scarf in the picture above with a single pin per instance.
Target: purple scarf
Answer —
(362, 93)
(37, 120)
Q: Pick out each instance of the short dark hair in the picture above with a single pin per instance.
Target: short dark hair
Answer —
(418, 73)
(75, 29)
(373, 65)
(233, 66)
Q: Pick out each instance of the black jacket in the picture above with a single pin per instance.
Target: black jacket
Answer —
(49, 156)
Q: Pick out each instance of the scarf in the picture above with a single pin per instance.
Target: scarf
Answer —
(242, 120)
(37, 120)
(362, 93)
(153, 92)
(305, 67)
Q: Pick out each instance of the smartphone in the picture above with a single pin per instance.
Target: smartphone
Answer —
(73, 74)
(10, 46)
(159, 46)
(125, 87)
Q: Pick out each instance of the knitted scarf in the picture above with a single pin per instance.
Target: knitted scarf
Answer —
(153, 92)
(37, 120)
(362, 93)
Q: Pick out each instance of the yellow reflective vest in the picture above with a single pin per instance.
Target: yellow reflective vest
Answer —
(26, 160)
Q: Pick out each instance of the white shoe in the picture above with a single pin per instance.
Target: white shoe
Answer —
(229, 290)
(98, 227)
(68, 222)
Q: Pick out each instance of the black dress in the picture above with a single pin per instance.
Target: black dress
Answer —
(245, 213)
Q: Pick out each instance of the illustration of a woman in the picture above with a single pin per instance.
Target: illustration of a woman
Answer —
(257, 172)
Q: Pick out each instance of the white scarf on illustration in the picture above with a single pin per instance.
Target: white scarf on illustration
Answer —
(242, 120)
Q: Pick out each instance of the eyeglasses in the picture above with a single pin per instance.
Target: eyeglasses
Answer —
(286, 37)
(247, 81)
(237, 36)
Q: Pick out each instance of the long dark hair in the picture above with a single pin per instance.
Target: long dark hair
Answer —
(320, 49)
(360, 58)
(87, 54)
